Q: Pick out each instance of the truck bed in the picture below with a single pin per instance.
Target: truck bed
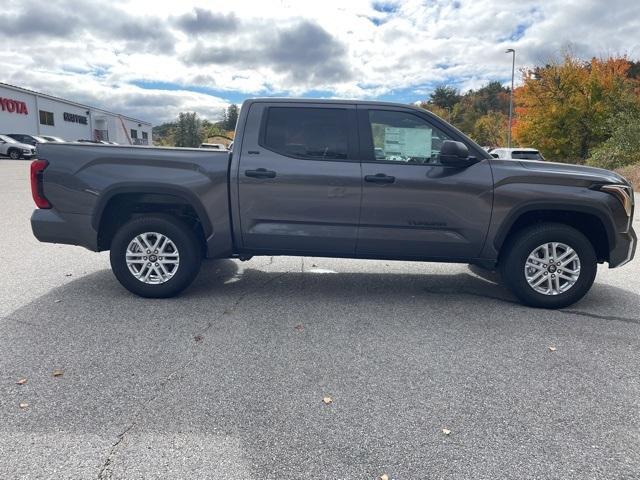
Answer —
(81, 180)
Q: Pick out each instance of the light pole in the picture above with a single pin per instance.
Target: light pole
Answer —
(513, 71)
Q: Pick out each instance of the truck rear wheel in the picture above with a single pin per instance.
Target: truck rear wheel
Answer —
(549, 265)
(156, 256)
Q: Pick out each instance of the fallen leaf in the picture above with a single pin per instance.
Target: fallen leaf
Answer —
(299, 327)
(24, 405)
(552, 349)
(384, 476)
(57, 301)
(313, 265)
(198, 338)
(446, 431)
(58, 372)
(22, 381)
(327, 400)
(68, 274)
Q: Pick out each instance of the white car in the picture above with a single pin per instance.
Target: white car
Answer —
(15, 150)
(213, 146)
(52, 139)
(516, 153)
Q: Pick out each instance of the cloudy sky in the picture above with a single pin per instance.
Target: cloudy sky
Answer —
(152, 59)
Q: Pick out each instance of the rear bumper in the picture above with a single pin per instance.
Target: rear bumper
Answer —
(624, 250)
(51, 226)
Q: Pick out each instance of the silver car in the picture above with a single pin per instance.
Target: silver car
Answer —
(14, 149)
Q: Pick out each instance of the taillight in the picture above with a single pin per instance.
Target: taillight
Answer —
(37, 167)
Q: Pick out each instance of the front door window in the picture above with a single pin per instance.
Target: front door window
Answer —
(404, 138)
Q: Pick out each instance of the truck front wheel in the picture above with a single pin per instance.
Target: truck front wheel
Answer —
(549, 265)
(156, 256)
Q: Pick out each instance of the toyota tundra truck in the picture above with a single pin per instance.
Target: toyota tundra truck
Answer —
(352, 179)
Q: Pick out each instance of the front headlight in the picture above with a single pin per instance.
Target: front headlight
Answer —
(26, 150)
(623, 193)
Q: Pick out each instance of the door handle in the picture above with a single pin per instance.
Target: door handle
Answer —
(260, 173)
(379, 178)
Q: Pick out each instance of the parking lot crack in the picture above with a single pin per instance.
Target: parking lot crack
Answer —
(601, 317)
(106, 471)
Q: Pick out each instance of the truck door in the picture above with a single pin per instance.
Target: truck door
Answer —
(412, 206)
(299, 180)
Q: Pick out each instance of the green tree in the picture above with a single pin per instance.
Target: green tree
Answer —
(445, 97)
(230, 117)
(188, 131)
(622, 148)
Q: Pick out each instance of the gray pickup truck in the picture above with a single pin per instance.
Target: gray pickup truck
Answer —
(336, 179)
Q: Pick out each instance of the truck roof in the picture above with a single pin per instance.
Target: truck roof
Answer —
(330, 101)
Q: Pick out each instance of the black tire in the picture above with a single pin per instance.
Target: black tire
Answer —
(185, 240)
(517, 249)
(14, 154)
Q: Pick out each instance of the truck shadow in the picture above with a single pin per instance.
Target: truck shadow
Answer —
(248, 352)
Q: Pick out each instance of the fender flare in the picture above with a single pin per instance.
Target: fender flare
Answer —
(569, 207)
(152, 188)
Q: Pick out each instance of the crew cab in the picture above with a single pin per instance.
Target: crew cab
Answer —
(355, 179)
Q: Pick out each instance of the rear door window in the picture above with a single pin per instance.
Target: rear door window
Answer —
(307, 132)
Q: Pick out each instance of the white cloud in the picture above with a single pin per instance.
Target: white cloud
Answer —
(100, 51)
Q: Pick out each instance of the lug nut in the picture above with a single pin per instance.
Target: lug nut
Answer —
(156, 251)
(148, 251)
(144, 258)
(156, 264)
(546, 273)
(553, 276)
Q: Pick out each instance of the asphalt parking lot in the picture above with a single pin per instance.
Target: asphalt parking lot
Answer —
(227, 381)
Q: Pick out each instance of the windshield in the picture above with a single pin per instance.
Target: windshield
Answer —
(526, 155)
(7, 139)
(40, 139)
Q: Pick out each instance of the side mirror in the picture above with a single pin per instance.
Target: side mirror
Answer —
(495, 155)
(455, 154)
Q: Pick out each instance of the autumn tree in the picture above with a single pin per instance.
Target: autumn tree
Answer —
(490, 129)
(564, 108)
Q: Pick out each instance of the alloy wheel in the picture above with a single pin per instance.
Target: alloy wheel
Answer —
(152, 258)
(552, 268)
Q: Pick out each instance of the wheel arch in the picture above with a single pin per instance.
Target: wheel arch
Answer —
(119, 204)
(594, 224)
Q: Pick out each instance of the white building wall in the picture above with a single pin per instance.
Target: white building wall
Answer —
(118, 127)
(13, 122)
(65, 129)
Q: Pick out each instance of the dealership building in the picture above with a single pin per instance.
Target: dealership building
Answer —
(28, 112)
